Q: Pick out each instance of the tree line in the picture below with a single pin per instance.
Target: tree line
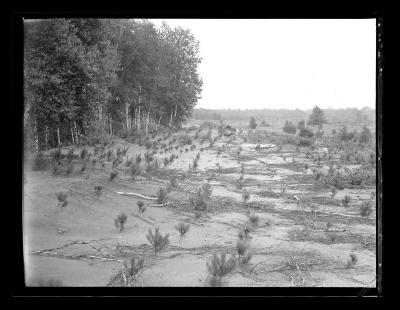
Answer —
(349, 115)
(88, 77)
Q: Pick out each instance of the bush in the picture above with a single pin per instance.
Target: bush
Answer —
(366, 208)
(306, 133)
(289, 128)
(220, 265)
(157, 240)
(161, 195)
(83, 154)
(206, 190)
(120, 221)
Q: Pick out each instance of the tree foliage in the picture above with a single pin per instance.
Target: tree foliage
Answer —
(317, 117)
(85, 76)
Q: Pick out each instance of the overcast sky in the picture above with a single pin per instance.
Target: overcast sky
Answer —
(267, 63)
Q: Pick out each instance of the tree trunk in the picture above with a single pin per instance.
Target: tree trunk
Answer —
(45, 136)
(72, 135)
(36, 138)
(147, 122)
(138, 120)
(58, 137)
(127, 115)
(76, 133)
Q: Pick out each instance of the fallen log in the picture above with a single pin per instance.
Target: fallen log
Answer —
(138, 195)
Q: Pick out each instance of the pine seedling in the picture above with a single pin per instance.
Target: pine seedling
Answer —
(245, 196)
(254, 219)
(157, 240)
(141, 206)
(62, 200)
(120, 221)
(113, 175)
(352, 261)
(98, 189)
(161, 195)
(206, 190)
(220, 265)
(241, 248)
(346, 201)
(182, 228)
(333, 192)
(366, 208)
(130, 272)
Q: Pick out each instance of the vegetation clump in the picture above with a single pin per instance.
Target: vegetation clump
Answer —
(182, 228)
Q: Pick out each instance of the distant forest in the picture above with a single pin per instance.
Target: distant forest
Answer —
(332, 115)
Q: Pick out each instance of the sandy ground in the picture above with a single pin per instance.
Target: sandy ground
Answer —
(80, 246)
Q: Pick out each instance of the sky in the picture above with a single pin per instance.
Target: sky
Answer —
(284, 63)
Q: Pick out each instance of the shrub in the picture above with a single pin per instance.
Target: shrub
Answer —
(70, 169)
(120, 221)
(246, 258)
(113, 175)
(141, 206)
(352, 261)
(161, 195)
(157, 240)
(306, 133)
(98, 189)
(135, 171)
(366, 208)
(182, 228)
(220, 265)
(333, 191)
(305, 142)
(138, 158)
(346, 201)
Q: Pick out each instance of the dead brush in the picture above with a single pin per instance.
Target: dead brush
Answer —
(352, 261)
(220, 265)
(62, 200)
(182, 228)
(120, 221)
(157, 240)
